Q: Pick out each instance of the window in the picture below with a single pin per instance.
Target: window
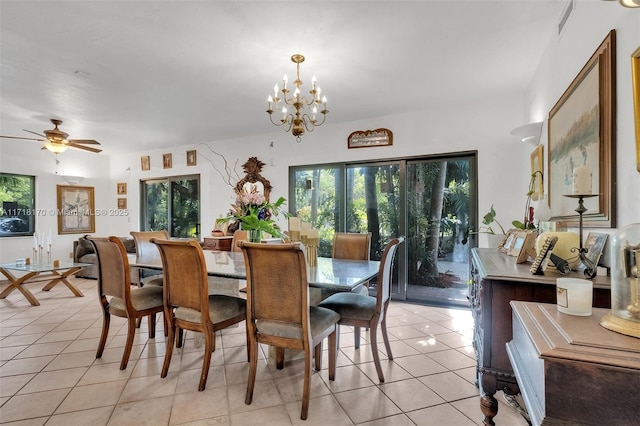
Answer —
(17, 212)
(430, 200)
(173, 204)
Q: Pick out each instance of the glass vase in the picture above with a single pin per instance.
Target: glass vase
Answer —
(255, 235)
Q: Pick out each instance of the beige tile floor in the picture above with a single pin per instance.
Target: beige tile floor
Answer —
(49, 373)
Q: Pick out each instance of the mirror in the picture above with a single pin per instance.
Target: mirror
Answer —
(253, 178)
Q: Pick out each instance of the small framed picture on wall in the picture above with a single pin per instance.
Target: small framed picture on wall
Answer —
(145, 163)
(122, 203)
(122, 188)
(192, 158)
(166, 161)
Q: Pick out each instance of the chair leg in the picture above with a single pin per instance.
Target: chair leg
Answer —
(253, 367)
(279, 358)
(131, 333)
(106, 320)
(385, 337)
(209, 346)
(356, 336)
(306, 387)
(169, 349)
(375, 353)
(152, 325)
(333, 352)
(180, 338)
(318, 355)
(138, 322)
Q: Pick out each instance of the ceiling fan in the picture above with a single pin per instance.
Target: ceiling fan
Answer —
(57, 142)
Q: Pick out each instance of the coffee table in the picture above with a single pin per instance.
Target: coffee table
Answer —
(60, 274)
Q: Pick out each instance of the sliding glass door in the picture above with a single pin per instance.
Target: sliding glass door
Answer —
(173, 204)
(429, 200)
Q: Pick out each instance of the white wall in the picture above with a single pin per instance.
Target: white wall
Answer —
(565, 57)
(26, 157)
(483, 127)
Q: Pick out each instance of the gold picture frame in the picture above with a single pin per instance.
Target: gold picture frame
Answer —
(582, 132)
(122, 188)
(537, 173)
(192, 157)
(166, 161)
(76, 209)
(145, 163)
(635, 80)
(122, 203)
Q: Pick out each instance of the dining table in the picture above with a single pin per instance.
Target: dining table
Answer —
(330, 275)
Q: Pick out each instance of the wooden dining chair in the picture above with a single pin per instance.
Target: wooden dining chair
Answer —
(362, 310)
(353, 246)
(187, 303)
(238, 235)
(278, 311)
(118, 298)
(147, 252)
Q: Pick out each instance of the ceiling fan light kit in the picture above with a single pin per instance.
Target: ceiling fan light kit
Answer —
(56, 140)
(305, 111)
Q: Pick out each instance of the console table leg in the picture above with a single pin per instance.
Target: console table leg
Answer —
(489, 407)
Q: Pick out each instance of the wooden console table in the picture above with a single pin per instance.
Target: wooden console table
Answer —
(497, 280)
(571, 370)
(217, 243)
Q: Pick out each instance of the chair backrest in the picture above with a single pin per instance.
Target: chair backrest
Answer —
(114, 277)
(349, 245)
(185, 275)
(385, 272)
(277, 288)
(147, 252)
(239, 235)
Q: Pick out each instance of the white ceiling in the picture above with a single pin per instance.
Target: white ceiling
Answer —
(147, 74)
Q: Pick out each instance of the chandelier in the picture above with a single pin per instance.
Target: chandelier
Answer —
(304, 113)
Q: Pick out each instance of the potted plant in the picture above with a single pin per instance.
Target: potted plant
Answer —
(254, 214)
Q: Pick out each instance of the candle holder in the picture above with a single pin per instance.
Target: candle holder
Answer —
(40, 259)
(589, 265)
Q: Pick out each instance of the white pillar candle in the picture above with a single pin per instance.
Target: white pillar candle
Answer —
(582, 180)
(574, 296)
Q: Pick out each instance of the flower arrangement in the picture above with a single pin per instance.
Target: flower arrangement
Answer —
(254, 213)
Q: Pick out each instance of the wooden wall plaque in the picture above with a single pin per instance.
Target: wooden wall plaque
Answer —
(367, 138)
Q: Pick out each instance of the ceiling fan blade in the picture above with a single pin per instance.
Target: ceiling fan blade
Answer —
(86, 148)
(29, 131)
(27, 139)
(84, 141)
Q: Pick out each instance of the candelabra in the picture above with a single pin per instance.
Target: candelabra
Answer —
(589, 265)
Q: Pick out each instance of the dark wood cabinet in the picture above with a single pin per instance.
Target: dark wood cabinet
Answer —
(496, 280)
(217, 243)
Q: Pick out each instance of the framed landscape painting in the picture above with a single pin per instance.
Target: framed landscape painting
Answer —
(582, 133)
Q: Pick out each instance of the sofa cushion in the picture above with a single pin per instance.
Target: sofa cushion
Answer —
(84, 247)
(129, 244)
